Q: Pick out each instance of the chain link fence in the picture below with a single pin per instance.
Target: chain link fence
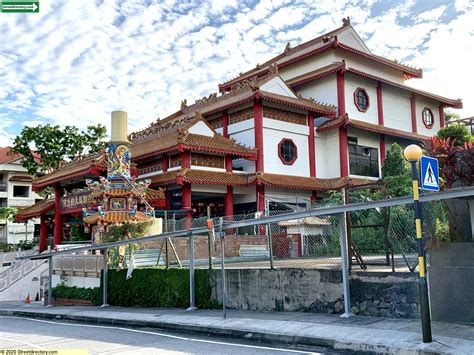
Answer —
(379, 239)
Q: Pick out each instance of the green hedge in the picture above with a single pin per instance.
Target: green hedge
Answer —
(156, 287)
(91, 294)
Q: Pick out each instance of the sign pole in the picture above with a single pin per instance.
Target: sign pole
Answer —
(423, 285)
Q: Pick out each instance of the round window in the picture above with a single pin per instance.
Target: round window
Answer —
(428, 118)
(361, 99)
(287, 151)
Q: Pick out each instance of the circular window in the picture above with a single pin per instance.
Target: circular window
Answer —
(428, 118)
(361, 99)
(287, 151)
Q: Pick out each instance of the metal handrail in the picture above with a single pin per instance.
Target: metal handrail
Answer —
(312, 212)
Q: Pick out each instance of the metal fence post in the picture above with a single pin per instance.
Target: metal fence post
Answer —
(223, 285)
(345, 271)
(50, 282)
(192, 306)
(209, 237)
(270, 243)
(105, 279)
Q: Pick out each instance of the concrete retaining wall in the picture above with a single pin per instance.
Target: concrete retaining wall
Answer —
(451, 282)
(376, 294)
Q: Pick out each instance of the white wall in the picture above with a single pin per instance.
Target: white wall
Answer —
(323, 90)
(307, 65)
(352, 83)
(421, 103)
(243, 133)
(277, 86)
(273, 132)
(327, 154)
(350, 38)
(201, 128)
(287, 196)
(244, 194)
(396, 108)
(369, 66)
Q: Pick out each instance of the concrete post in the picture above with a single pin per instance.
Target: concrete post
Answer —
(105, 280)
(192, 302)
(50, 282)
(345, 271)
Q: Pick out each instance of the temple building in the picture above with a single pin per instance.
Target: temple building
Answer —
(319, 116)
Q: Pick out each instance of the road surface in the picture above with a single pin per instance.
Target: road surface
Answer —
(28, 333)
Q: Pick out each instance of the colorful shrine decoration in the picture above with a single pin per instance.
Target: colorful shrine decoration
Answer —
(119, 198)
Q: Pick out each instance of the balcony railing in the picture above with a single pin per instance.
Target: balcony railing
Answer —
(3, 187)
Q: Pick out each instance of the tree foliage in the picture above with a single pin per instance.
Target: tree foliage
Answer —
(8, 213)
(396, 173)
(458, 134)
(54, 145)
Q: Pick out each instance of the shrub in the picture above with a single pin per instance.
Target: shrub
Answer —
(157, 287)
(459, 134)
(77, 293)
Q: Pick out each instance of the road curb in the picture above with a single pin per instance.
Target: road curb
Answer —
(266, 337)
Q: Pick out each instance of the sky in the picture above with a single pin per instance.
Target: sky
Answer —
(76, 61)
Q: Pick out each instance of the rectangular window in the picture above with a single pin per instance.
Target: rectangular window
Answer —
(21, 191)
(363, 161)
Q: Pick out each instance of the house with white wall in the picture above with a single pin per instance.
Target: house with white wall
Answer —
(16, 192)
(319, 116)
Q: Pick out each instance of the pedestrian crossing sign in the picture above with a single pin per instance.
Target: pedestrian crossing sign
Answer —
(429, 173)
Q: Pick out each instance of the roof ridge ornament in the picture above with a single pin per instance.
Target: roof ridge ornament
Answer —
(287, 48)
(346, 21)
(184, 104)
(273, 69)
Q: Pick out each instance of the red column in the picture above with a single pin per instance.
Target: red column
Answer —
(382, 148)
(165, 162)
(258, 130)
(314, 196)
(311, 146)
(260, 198)
(186, 159)
(43, 234)
(413, 113)
(380, 103)
(341, 107)
(58, 220)
(186, 204)
(229, 196)
(442, 119)
(381, 123)
(229, 201)
(225, 124)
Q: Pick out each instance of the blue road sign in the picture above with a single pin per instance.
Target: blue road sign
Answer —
(429, 173)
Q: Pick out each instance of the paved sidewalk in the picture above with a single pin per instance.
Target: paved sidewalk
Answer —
(356, 333)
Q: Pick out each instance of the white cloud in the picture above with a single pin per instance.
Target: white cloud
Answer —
(74, 62)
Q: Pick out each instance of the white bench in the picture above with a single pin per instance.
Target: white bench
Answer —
(146, 257)
(254, 251)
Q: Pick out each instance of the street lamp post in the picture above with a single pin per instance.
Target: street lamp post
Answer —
(413, 154)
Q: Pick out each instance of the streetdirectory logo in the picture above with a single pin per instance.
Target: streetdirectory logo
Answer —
(19, 6)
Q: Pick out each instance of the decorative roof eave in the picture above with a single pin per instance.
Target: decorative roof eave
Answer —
(309, 183)
(369, 127)
(332, 43)
(35, 210)
(181, 147)
(202, 177)
(300, 103)
(93, 170)
(315, 74)
(448, 102)
(407, 70)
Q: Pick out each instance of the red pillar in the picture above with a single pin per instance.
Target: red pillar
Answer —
(311, 146)
(413, 112)
(229, 196)
(258, 130)
(186, 204)
(381, 122)
(314, 196)
(186, 159)
(260, 198)
(380, 103)
(58, 220)
(165, 162)
(341, 107)
(442, 119)
(225, 124)
(43, 234)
